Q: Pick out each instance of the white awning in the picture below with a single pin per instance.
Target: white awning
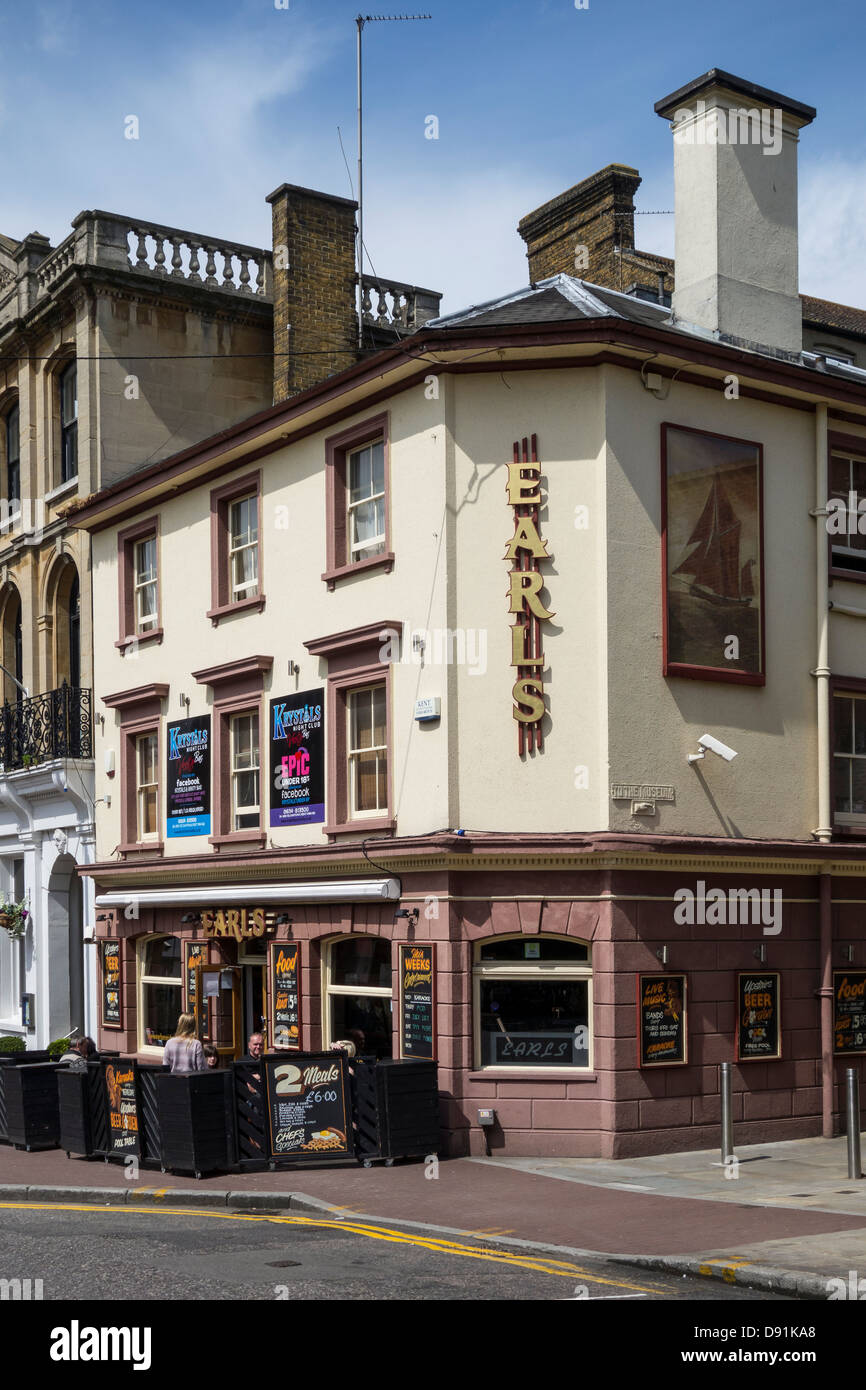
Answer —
(338, 890)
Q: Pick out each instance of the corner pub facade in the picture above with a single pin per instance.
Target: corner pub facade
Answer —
(416, 668)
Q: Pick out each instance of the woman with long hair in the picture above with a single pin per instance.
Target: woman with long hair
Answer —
(184, 1052)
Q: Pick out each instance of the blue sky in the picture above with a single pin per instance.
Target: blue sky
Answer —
(235, 97)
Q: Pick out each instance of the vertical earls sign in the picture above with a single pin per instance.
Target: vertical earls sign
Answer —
(298, 759)
(188, 782)
(525, 549)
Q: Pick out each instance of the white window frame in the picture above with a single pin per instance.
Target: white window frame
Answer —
(353, 754)
(846, 817)
(248, 588)
(365, 550)
(329, 990)
(142, 787)
(530, 970)
(145, 624)
(837, 546)
(236, 771)
(141, 980)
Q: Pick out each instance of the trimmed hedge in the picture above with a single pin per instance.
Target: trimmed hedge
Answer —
(58, 1047)
(12, 1044)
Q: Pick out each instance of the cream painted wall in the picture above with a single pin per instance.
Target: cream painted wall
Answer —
(499, 790)
(769, 790)
(299, 608)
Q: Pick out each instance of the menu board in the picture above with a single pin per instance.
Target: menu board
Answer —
(111, 984)
(188, 781)
(308, 1107)
(661, 1021)
(759, 1031)
(285, 994)
(195, 953)
(417, 1002)
(297, 761)
(121, 1096)
(849, 1011)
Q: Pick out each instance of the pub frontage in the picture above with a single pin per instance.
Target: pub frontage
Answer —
(577, 1010)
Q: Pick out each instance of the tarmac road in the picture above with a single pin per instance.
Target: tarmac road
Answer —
(122, 1253)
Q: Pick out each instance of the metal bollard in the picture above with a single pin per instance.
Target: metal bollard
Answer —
(852, 1107)
(727, 1115)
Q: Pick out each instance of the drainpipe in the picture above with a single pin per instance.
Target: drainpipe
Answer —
(825, 993)
(824, 831)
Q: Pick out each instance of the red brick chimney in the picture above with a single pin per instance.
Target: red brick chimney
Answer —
(315, 315)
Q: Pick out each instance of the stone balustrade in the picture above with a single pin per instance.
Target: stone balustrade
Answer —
(390, 305)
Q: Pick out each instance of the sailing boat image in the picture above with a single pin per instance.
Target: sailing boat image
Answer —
(717, 572)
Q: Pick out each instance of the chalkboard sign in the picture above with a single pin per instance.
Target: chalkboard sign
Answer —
(417, 1003)
(308, 1107)
(121, 1098)
(849, 1011)
(285, 991)
(759, 1030)
(661, 1021)
(111, 984)
(195, 954)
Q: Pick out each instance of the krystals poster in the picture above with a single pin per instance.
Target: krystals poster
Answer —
(188, 782)
(298, 758)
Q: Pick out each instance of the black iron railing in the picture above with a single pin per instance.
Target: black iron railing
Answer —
(57, 724)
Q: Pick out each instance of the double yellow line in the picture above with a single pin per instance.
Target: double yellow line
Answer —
(541, 1265)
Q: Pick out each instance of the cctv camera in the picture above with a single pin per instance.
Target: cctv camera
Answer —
(716, 746)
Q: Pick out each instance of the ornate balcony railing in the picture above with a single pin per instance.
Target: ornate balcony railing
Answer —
(57, 724)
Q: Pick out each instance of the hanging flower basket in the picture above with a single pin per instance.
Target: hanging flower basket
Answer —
(14, 918)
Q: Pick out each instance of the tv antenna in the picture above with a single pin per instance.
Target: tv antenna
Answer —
(361, 20)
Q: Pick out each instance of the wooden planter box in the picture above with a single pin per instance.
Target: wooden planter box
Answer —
(396, 1109)
(83, 1120)
(32, 1107)
(194, 1121)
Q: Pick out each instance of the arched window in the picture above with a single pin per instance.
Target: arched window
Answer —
(12, 644)
(65, 607)
(532, 1003)
(358, 994)
(160, 990)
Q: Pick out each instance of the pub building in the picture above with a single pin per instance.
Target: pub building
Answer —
(497, 710)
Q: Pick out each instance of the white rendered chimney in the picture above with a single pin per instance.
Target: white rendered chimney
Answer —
(735, 202)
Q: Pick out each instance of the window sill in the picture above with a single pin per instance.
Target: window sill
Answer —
(360, 827)
(63, 490)
(244, 605)
(141, 639)
(570, 1074)
(852, 576)
(239, 837)
(142, 847)
(376, 562)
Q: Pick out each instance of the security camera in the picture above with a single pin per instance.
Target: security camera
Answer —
(714, 745)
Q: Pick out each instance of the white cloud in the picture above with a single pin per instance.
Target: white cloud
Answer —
(832, 229)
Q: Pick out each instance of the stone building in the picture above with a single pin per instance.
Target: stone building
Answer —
(530, 675)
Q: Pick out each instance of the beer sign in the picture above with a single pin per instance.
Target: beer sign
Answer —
(109, 952)
(759, 1029)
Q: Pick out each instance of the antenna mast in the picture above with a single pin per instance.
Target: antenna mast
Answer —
(361, 20)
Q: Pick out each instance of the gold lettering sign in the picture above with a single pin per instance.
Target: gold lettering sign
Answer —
(525, 549)
(238, 922)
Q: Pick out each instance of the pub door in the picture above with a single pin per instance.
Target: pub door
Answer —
(253, 960)
(219, 1012)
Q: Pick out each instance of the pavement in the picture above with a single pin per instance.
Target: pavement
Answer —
(784, 1219)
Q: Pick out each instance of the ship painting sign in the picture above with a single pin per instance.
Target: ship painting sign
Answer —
(712, 528)
(525, 549)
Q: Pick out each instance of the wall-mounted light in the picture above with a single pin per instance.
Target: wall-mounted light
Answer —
(662, 954)
(284, 920)
(189, 917)
(760, 952)
(410, 913)
(100, 719)
(848, 953)
(108, 762)
(184, 700)
(294, 668)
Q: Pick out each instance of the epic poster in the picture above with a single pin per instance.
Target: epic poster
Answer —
(297, 763)
(188, 781)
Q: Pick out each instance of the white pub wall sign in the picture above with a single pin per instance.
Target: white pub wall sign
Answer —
(525, 550)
